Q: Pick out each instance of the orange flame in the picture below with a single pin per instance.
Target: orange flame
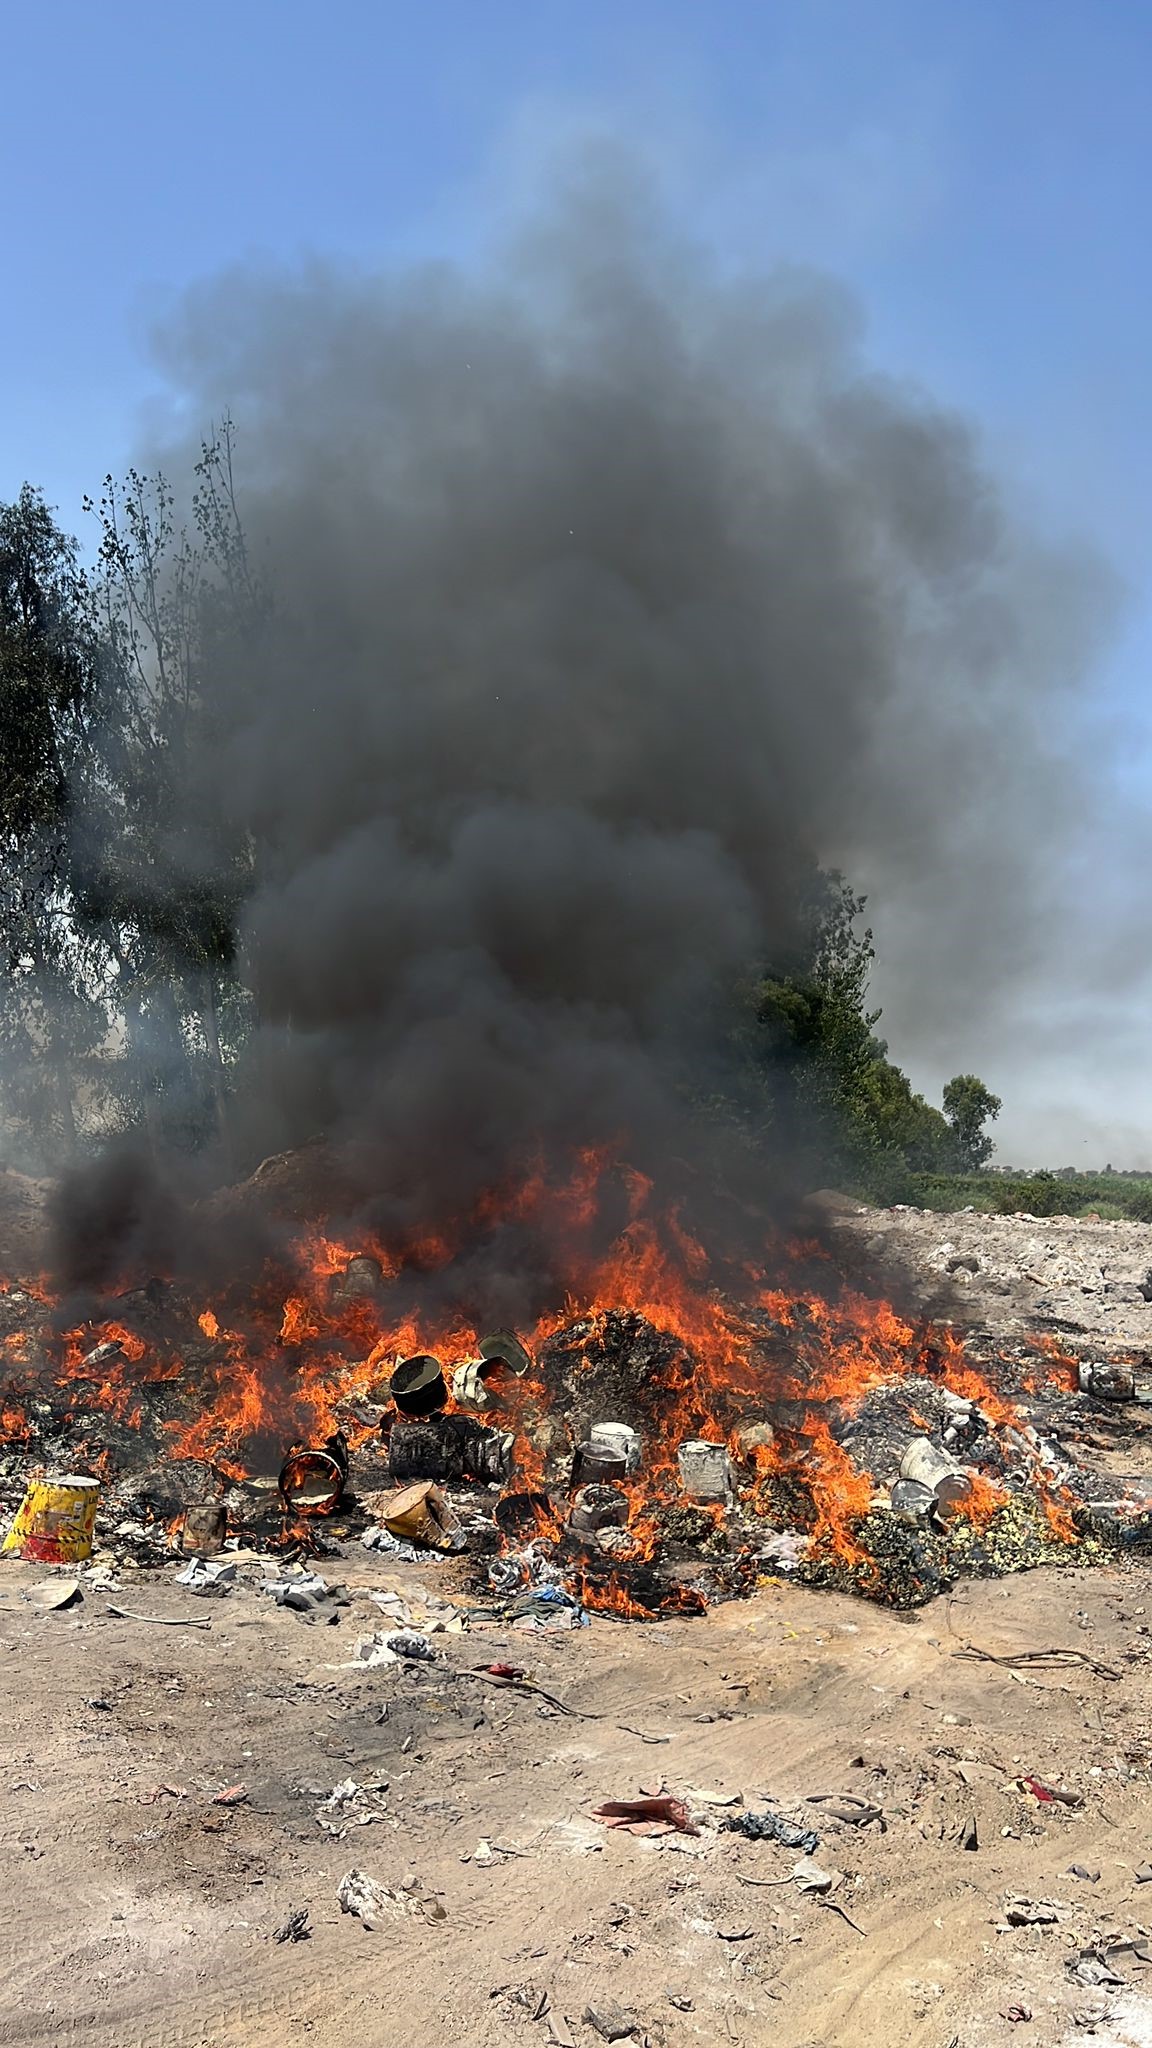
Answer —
(755, 1339)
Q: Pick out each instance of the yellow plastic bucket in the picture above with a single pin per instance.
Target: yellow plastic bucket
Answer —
(55, 1520)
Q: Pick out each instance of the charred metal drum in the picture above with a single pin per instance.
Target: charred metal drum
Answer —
(312, 1481)
(417, 1386)
(450, 1447)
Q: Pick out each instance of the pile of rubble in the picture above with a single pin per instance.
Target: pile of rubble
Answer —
(599, 1473)
(1081, 1277)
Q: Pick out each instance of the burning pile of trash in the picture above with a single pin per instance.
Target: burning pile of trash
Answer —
(675, 1433)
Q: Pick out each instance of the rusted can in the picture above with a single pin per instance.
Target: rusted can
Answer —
(361, 1280)
(55, 1520)
(203, 1529)
(617, 1436)
(421, 1514)
(312, 1481)
(598, 1507)
(705, 1472)
(598, 1464)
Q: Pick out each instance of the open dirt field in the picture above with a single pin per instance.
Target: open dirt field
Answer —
(140, 1914)
(1083, 1279)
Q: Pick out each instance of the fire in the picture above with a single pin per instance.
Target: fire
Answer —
(610, 1595)
(298, 1325)
(771, 1338)
(984, 1498)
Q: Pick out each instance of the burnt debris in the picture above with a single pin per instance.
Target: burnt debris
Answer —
(591, 1471)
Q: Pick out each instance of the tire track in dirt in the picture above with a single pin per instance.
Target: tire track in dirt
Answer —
(781, 1695)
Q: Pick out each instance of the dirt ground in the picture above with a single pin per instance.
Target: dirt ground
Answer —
(139, 1913)
(1076, 1277)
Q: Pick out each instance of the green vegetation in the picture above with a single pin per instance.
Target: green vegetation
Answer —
(832, 1092)
(968, 1106)
(855, 1119)
(1113, 1196)
(120, 997)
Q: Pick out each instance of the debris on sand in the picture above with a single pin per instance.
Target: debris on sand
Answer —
(308, 1595)
(209, 1575)
(1020, 1912)
(53, 1595)
(662, 1814)
(295, 1928)
(611, 2022)
(771, 1827)
(372, 1903)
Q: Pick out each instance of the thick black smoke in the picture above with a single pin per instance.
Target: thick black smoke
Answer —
(611, 593)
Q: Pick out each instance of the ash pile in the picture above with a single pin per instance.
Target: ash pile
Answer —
(607, 1468)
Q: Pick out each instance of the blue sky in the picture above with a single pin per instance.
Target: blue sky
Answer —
(980, 172)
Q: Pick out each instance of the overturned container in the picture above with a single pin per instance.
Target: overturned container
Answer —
(421, 1514)
(449, 1447)
(312, 1480)
(705, 1473)
(598, 1507)
(55, 1520)
(933, 1469)
(1108, 1382)
(430, 1446)
(503, 1348)
(617, 1436)
(473, 1383)
(418, 1386)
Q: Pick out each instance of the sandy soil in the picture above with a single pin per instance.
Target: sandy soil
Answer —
(142, 1918)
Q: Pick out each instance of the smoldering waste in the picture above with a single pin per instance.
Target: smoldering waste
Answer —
(638, 1458)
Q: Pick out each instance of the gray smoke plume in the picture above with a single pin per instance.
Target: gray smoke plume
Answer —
(611, 592)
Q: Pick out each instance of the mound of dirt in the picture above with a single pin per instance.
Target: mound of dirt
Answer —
(311, 1182)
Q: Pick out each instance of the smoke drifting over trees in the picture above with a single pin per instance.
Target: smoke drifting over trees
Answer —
(603, 598)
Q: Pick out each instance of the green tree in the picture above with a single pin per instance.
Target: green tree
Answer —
(52, 1017)
(847, 1109)
(161, 880)
(968, 1106)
